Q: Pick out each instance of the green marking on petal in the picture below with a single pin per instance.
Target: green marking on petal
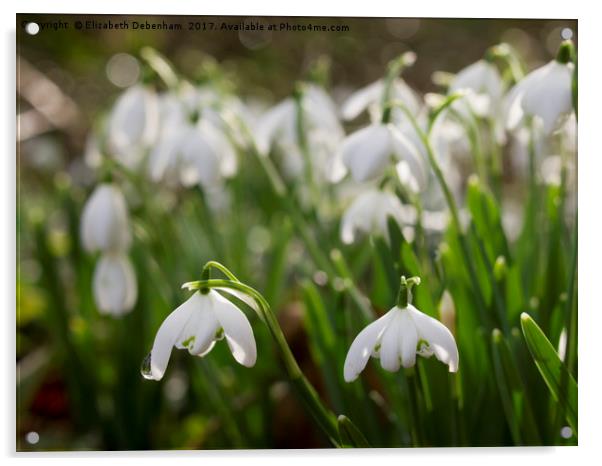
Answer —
(189, 341)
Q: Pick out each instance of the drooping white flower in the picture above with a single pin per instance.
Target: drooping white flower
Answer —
(133, 125)
(368, 214)
(483, 86)
(105, 225)
(368, 152)
(191, 153)
(544, 93)
(396, 338)
(278, 128)
(197, 325)
(114, 284)
(371, 98)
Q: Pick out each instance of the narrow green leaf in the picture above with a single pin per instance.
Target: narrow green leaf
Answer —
(351, 436)
(512, 391)
(561, 383)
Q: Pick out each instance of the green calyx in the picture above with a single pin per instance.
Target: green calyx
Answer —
(566, 52)
(404, 296)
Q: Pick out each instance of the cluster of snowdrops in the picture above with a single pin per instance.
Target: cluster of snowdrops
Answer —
(405, 171)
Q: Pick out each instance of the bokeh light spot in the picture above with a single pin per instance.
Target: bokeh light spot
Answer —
(122, 70)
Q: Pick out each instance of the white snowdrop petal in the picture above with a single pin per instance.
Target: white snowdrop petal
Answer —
(359, 101)
(105, 223)
(320, 111)
(245, 298)
(367, 152)
(114, 284)
(133, 124)
(237, 330)
(358, 216)
(404, 93)
(278, 119)
(545, 93)
(405, 150)
(408, 339)
(218, 141)
(551, 97)
(207, 326)
(362, 347)
(163, 156)
(168, 335)
(369, 213)
(199, 162)
(483, 85)
(438, 336)
(390, 357)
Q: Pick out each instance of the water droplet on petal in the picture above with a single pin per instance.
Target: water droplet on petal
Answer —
(145, 367)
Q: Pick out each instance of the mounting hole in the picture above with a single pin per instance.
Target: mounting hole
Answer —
(32, 28)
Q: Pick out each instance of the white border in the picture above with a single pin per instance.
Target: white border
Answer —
(590, 156)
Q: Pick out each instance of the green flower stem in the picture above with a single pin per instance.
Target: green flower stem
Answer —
(449, 198)
(496, 155)
(222, 268)
(303, 143)
(341, 267)
(324, 417)
(394, 69)
(531, 211)
(404, 295)
(161, 66)
(474, 139)
(508, 55)
(414, 198)
(413, 391)
(320, 259)
(571, 308)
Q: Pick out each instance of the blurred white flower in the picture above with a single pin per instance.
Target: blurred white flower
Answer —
(196, 325)
(92, 153)
(544, 93)
(368, 152)
(114, 284)
(188, 152)
(105, 224)
(483, 86)
(279, 126)
(447, 311)
(371, 98)
(396, 338)
(133, 125)
(368, 214)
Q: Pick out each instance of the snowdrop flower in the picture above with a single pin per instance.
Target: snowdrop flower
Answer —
(133, 125)
(114, 284)
(483, 86)
(368, 214)
(371, 98)
(368, 152)
(279, 127)
(197, 325)
(191, 153)
(105, 224)
(398, 336)
(544, 93)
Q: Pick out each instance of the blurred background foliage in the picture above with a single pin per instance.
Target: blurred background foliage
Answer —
(79, 385)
